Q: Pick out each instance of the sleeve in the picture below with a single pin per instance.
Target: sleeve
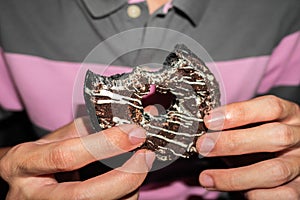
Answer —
(15, 126)
(9, 98)
(282, 75)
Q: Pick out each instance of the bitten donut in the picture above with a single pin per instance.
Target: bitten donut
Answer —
(117, 99)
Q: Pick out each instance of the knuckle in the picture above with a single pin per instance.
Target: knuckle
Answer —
(8, 165)
(4, 168)
(296, 109)
(238, 113)
(281, 172)
(18, 149)
(276, 105)
(232, 143)
(60, 158)
(285, 137)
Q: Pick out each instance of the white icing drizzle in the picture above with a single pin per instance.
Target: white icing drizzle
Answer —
(173, 132)
(108, 101)
(167, 139)
(194, 82)
(105, 122)
(191, 147)
(118, 120)
(187, 117)
(173, 152)
(182, 124)
(115, 96)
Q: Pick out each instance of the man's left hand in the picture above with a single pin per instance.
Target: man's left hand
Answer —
(276, 129)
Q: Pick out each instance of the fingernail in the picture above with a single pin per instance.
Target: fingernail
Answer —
(207, 181)
(150, 157)
(137, 135)
(206, 146)
(215, 120)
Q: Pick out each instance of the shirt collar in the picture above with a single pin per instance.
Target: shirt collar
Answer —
(101, 8)
(193, 9)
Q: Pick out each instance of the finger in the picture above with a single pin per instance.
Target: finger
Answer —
(112, 185)
(290, 191)
(153, 110)
(68, 155)
(270, 137)
(261, 109)
(133, 172)
(78, 128)
(265, 174)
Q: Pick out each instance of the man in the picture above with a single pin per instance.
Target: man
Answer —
(254, 44)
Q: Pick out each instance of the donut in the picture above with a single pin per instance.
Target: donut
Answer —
(118, 99)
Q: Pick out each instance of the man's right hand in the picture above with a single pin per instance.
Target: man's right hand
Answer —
(29, 168)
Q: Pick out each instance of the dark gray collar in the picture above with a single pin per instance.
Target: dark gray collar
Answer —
(101, 8)
(193, 9)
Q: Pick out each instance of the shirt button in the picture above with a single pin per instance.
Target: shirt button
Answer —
(133, 11)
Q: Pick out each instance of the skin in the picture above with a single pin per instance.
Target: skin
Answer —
(153, 5)
(276, 129)
(29, 168)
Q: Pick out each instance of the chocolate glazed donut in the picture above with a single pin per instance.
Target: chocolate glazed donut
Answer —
(117, 99)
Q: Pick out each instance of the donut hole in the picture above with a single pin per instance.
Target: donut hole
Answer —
(162, 101)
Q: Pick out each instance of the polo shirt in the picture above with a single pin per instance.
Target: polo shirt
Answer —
(255, 46)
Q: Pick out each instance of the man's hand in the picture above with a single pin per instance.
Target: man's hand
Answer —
(277, 131)
(29, 168)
